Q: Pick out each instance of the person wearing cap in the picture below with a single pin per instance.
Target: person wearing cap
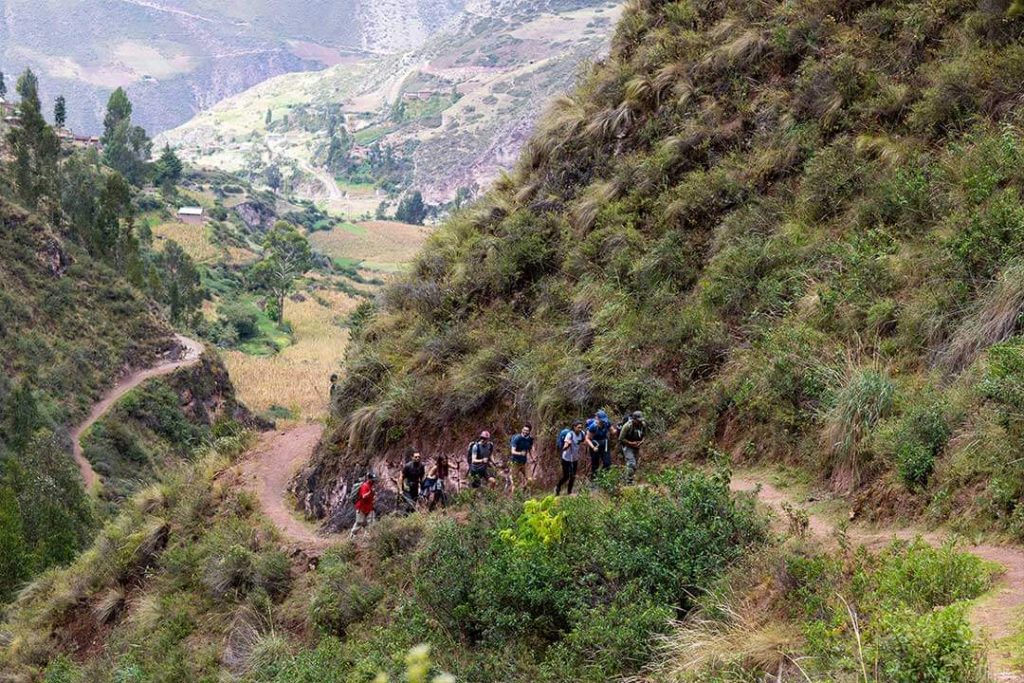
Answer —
(631, 437)
(480, 453)
(365, 515)
(596, 441)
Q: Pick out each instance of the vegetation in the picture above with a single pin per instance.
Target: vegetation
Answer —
(787, 232)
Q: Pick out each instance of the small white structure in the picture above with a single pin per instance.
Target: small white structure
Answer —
(191, 214)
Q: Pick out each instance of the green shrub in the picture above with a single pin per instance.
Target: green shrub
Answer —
(342, 597)
(855, 409)
(934, 647)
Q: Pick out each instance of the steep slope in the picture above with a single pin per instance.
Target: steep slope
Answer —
(68, 327)
(179, 56)
(455, 111)
(786, 231)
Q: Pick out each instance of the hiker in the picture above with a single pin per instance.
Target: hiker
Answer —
(596, 440)
(521, 446)
(570, 457)
(631, 437)
(365, 515)
(335, 388)
(480, 452)
(410, 479)
(433, 485)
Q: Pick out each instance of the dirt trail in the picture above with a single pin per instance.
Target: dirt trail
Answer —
(268, 469)
(193, 350)
(998, 614)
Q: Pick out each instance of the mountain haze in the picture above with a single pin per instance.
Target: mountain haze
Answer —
(456, 110)
(176, 57)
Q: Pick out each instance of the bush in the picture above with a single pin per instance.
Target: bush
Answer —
(241, 316)
(343, 596)
(934, 647)
(855, 409)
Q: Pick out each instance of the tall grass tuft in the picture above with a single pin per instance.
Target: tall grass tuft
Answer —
(995, 318)
(856, 408)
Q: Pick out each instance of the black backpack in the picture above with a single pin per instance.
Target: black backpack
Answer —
(469, 452)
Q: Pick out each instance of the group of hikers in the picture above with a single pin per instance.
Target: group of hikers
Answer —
(418, 483)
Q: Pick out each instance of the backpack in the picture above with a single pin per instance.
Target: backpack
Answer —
(353, 496)
(595, 425)
(561, 439)
(469, 452)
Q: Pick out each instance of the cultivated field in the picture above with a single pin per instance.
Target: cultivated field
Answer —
(297, 378)
(380, 245)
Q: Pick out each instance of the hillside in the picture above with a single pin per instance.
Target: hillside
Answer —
(68, 327)
(789, 233)
(455, 111)
(177, 57)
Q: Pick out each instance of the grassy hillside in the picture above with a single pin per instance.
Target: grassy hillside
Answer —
(68, 326)
(788, 232)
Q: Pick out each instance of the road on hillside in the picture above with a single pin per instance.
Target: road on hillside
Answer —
(193, 350)
(996, 615)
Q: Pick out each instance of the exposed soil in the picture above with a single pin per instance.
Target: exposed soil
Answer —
(997, 615)
(269, 468)
(191, 350)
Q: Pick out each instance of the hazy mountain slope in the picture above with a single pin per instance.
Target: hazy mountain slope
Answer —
(484, 78)
(786, 231)
(178, 56)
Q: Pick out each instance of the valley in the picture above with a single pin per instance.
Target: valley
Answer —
(767, 254)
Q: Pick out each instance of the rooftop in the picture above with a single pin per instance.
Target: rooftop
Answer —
(190, 211)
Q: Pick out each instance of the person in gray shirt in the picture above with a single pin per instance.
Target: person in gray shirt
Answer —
(571, 447)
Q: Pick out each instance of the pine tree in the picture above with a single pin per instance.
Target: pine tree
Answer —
(411, 209)
(34, 145)
(126, 148)
(3, 85)
(168, 169)
(60, 112)
(269, 118)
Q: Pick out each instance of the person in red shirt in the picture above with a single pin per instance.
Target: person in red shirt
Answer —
(365, 515)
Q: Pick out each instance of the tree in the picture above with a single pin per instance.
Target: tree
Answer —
(273, 177)
(167, 170)
(126, 148)
(182, 287)
(113, 237)
(338, 153)
(34, 146)
(60, 112)
(3, 85)
(269, 117)
(411, 209)
(286, 257)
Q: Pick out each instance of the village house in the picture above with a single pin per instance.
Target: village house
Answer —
(193, 215)
(421, 95)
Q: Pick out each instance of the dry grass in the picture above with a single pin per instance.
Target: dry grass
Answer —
(994, 320)
(741, 631)
(385, 244)
(191, 238)
(298, 377)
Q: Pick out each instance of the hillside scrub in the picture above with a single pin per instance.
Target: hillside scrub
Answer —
(776, 228)
(190, 583)
(795, 614)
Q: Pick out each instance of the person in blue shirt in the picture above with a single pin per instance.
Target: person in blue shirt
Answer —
(597, 441)
(521, 447)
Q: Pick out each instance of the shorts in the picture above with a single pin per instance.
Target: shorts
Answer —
(476, 477)
(518, 459)
(412, 492)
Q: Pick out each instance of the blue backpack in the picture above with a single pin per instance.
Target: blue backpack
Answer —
(561, 439)
(600, 428)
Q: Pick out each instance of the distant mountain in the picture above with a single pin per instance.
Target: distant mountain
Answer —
(177, 57)
(455, 111)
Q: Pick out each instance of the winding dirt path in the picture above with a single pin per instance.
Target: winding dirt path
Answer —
(268, 469)
(193, 350)
(997, 615)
